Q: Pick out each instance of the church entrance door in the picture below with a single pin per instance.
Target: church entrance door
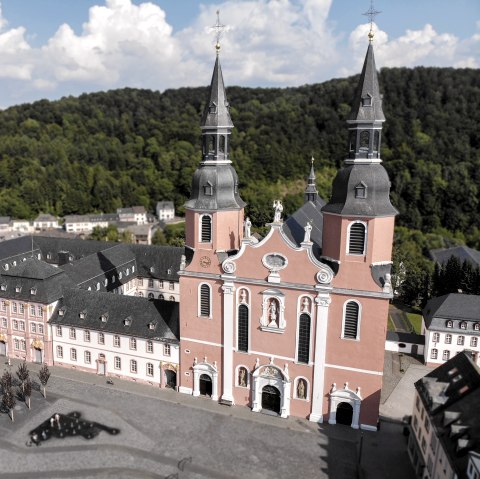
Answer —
(271, 399)
(344, 414)
(205, 385)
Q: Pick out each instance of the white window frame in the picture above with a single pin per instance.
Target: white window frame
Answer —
(73, 354)
(59, 351)
(116, 341)
(200, 228)
(310, 314)
(117, 362)
(86, 336)
(88, 357)
(149, 346)
(149, 366)
(133, 344)
(133, 366)
(365, 240)
(359, 320)
(101, 338)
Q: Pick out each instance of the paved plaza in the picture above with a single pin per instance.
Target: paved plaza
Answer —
(167, 434)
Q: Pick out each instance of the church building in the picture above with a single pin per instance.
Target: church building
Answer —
(294, 323)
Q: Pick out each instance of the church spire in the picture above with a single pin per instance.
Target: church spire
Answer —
(311, 192)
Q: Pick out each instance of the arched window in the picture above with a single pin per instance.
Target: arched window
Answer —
(303, 355)
(171, 298)
(449, 324)
(243, 328)
(364, 140)
(350, 320)
(150, 296)
(221, 144)
(160, 296)
(206, 233)
(356, 238)
(204, 300)
(376, 141)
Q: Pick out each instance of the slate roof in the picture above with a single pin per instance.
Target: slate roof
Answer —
(91, 218)
(463, 253)
(451, 394)
(165, 205)
(294, 226)
(33, 274)
(17, 247)
(455, 307)
(163, 314)
(165, 261)
(367, 86)
(220, 117)
(105, 263)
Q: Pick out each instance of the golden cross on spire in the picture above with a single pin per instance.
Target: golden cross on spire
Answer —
(371, 13)
(218, 28)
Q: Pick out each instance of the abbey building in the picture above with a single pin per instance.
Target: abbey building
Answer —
(293, 323)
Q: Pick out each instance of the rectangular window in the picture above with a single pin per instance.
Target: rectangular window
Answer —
(133, 366)
(415, 422)
(434, 353)
(59, 352)
(40, 328)
(86, 336)
(118, 363)
(4, 306)
(149, 369)
(73, 354)
(88, 357)
(15, 324)
(39, 310)
(426, 423)
(417, 403)
(171, 286)
(22, 308)
(448, 339)
(16, 343)
(101, 338)
(33, 327)
(461, 340)
(150, 283)
(205, 300)
(23, 345)
(14, 307)
(424, 445)
(59, 331)
(446, 355)
(139, 281)
(73, 333)
(133, 343)
(116, 341)
(436, 337)
(32, 310)
(149, 347)
(160, 284)
(166, 350)
(474, 342)
(4, 322)
(21, 325)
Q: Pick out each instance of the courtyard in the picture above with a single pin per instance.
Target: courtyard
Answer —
(167, 434)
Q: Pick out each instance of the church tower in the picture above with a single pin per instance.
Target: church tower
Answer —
(214, 212)
(359, 218)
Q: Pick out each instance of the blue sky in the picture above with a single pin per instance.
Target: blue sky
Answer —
(54, 48)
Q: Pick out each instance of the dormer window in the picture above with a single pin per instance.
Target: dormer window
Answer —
(152, 269)
(33, 291)
(449, 324)
(120, 275)
(208, 189)
(463, 325)
(169, 271)
(476, 327)
(3, 287)
(18, 289)
(361, 191)
(367, 101)
(151, 326)
(6, 266)
(127, 321)
(61, 312)
(104, 318)
(82, 314)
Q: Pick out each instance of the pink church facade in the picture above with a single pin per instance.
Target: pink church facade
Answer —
(293, 323)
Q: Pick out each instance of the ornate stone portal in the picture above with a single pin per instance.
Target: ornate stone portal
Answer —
(67, 425)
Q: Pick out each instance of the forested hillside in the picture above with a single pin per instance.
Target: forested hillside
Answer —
(126, 147)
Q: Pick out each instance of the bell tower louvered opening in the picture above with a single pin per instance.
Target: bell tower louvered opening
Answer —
(206, 229)
(205, 300)
(350, 327)
(356, 242)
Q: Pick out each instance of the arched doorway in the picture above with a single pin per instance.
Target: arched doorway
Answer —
(171, 377)
(344, 414)
(205, 384)
(37, 355)
(271, 399)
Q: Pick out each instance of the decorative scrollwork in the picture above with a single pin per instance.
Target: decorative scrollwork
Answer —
(229, 267)
(324, 276)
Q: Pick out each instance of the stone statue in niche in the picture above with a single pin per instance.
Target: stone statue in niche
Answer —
(242, 377)
(248, 226)
(278, 207)
(272, 313)
(301, 389)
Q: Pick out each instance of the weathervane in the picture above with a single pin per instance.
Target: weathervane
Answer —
(218, 28)
(371, 13)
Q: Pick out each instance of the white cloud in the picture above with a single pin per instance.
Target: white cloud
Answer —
(269, 42)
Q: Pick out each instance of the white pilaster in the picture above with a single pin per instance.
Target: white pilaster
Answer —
(322, 301)
(228, 289)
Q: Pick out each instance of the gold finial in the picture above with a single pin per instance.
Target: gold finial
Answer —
(371, 13)
(218, 28)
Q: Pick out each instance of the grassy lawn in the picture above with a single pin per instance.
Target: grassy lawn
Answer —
(415, 321)
(390, 325)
